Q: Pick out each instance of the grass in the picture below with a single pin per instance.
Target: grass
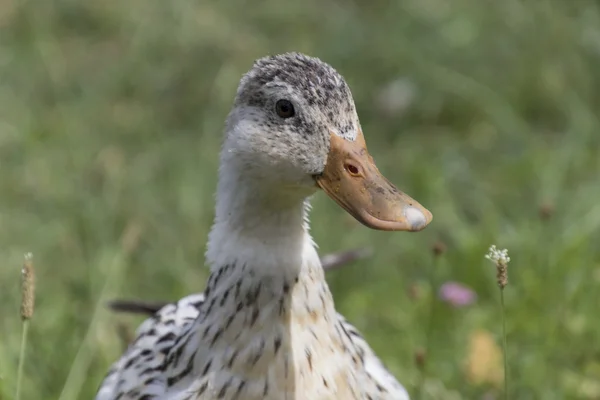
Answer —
(21, 359)
(504, 345)
(111, 116)
(27, 309)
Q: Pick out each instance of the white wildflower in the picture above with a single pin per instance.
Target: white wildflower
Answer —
(501, 259)
(497, 256)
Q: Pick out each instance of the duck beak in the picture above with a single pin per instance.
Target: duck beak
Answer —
(352, 179)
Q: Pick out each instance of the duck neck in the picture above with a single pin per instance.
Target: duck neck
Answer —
(267, 305)
(261, 231)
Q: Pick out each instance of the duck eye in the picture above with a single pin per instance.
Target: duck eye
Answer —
(284, 108)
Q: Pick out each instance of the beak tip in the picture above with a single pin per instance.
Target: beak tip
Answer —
(417, 219)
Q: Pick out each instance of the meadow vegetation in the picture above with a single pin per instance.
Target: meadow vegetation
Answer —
(486, 112)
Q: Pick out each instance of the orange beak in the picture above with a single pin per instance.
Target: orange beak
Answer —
(352, 179)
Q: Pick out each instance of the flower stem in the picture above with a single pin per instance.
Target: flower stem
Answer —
(426, 352)
(22, 358)
(504, 346)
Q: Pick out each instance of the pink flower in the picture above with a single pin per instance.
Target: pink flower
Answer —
(456, 294)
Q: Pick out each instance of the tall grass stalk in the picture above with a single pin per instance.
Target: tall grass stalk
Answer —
(79, 367)
(27, 307)
(22, 358)
(422, 354)
(501, 259)
(504, 346)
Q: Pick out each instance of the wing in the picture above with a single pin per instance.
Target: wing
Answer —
(380, 381)
(138, 373)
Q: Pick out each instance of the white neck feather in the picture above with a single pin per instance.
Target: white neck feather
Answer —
(260, 226)
(268, 319)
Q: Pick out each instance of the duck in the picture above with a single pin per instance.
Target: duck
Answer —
(266, 326)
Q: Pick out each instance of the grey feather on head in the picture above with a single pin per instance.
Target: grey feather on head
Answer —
(316, 101)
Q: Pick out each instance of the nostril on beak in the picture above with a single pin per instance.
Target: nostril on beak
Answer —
(352, 169)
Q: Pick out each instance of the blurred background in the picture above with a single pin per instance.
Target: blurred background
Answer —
(487, 112)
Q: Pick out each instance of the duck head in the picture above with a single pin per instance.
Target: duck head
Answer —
(294, 129)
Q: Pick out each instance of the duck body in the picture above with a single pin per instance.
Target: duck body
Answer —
(266, 325)
(282, 360)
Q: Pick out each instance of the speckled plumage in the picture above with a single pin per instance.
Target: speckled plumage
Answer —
(266, 325)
